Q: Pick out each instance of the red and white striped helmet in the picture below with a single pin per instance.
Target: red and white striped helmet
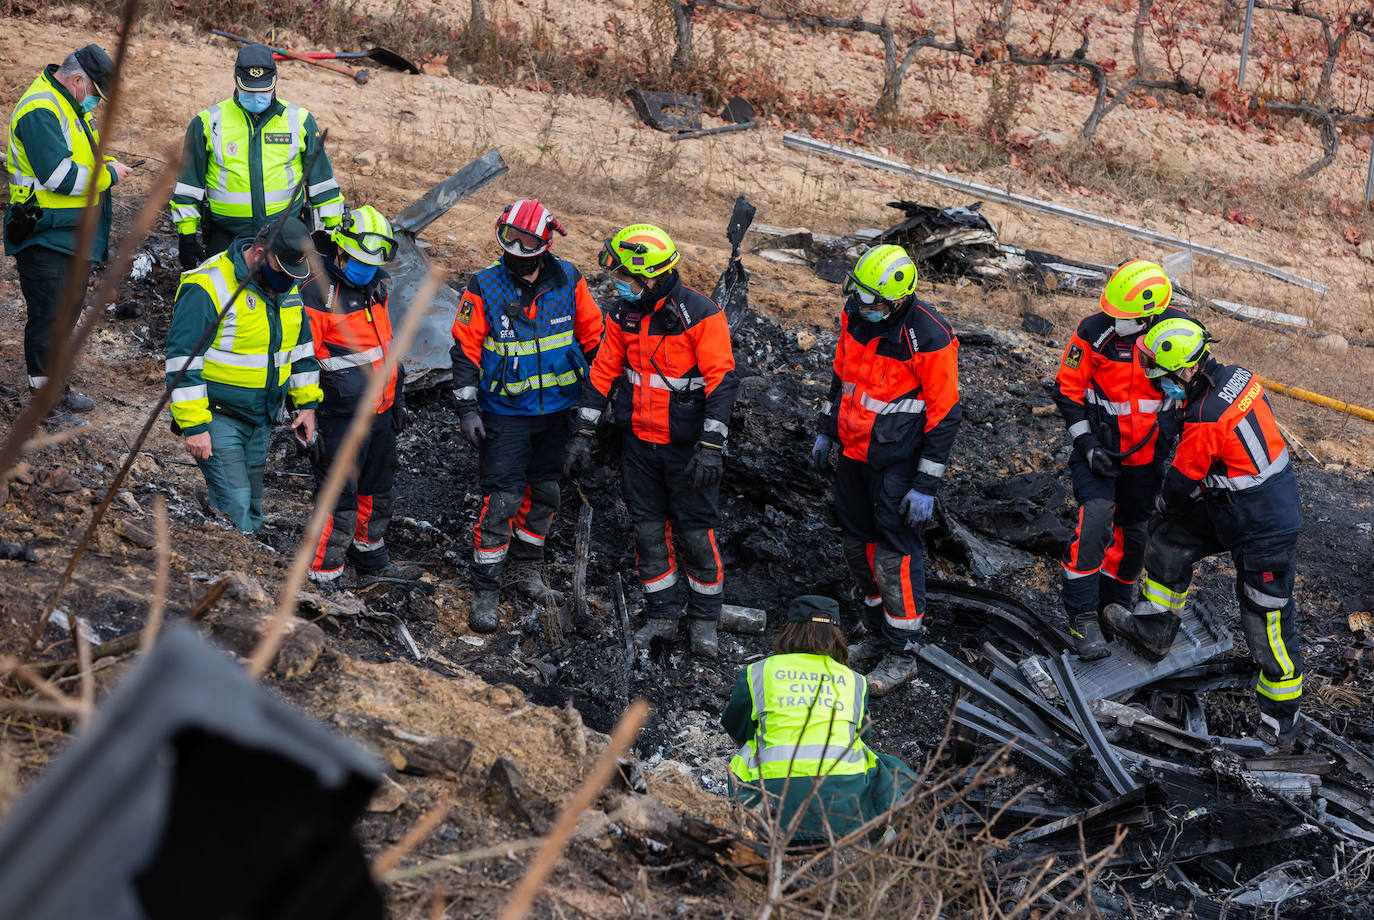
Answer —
(525, 228)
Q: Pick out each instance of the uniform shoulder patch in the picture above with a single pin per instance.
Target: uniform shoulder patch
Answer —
(465, 311)
(1073, 357)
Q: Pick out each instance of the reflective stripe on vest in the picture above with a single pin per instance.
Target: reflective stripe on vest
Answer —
(879, 407)
(1251, 480)
(809, 710)
(675, 384)
(81, 139)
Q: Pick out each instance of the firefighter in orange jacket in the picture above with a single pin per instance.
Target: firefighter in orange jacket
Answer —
(1122, 432)
(894, 411)
(351, 329)
(525, 333)
(671, 345)
(1231, 489)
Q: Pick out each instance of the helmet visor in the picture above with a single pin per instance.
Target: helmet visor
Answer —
(1149, 363)
(608, 258)
(520, 242)
(866, 295)
(372, 244)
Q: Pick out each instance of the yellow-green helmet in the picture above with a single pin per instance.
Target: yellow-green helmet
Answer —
(1171, 346)
(1136, 289)
(642, 250)
(883, 273)
(366, 236)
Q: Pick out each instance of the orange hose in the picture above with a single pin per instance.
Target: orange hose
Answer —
(1318, 399)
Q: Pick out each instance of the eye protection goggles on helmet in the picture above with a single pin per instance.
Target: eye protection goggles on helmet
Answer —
(374, 244)
(866, 295)
(1150, 363)
(610, 260)
(522, 240)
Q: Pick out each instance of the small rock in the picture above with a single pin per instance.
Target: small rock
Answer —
(128, 502)
(1043, 411)
(390, 795)
(1056, 139)
(135, 534)
(1036, 324)
(245, 588)
(1366, 250)
(1332, 344)
(806, 340)
(367, 158)
(59, 481)
(642, 813)
(1333, 468)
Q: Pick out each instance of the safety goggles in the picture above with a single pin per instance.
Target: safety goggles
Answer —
(523, 241)
(373, 244)
(1147, 361)
(866, 295)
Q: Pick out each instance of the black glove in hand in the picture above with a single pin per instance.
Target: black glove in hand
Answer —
(400, 418)
(474, 432)
(1101, 463)
(189, 251)
(315, 451)
(706, 466)
(577, 456)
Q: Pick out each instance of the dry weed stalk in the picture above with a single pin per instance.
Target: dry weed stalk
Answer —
(164, 576)
(339, 472)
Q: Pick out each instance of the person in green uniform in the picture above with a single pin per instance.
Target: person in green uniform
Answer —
(243, 160)
(801, 718)
(53, 139)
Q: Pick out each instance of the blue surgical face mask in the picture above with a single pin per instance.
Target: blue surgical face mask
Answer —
(358, 273)
(278, 281)
(873, 316)
(89, 103)
(625, 290)
(1173, 389)
(256, 103)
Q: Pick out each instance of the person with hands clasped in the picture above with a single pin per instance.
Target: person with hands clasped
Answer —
(1122, 429)
(525, 332)
(671, 345)
(893, 411)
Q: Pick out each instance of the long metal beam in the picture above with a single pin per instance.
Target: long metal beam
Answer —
(990, 193)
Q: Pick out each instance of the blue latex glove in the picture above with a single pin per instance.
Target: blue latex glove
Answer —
(916, 507)
(820, 453)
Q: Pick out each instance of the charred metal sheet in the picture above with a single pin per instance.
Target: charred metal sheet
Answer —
(1129, 809)
(1200, 638)
(738, 111)
(428, 363)
(1319, 764)
(667, 111)
(1003, 613)
(1064, 679)
(986, 558)
(1319, 735)
(1110, 712)
(1004, 672)
(971, 680)
(732, 290)
(985, 723)
(1224, 674)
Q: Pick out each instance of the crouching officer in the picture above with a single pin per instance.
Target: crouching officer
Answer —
(894, 411)
(351, 329)
(1231, 489)
(525, 333)
(1121, 433)
(672, 346)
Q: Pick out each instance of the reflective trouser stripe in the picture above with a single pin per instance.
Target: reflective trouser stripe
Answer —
(703, 588)
(1280, 690)
(489, 555)
(526, 537)
(1078, 429)
(1162, 596)
(1266, 601)
(1273, 627)
(873, 601)
(662, 582)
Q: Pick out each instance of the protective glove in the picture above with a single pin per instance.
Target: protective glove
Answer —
(400, 416)
(189, 251)
(577, 456)
(916, 507)
(474, 432)
(706, 466)
(820, 453)
(1101, 463)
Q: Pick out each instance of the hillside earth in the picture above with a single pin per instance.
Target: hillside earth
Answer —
(540, 699)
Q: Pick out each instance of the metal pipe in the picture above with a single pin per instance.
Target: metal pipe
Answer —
(1318, 399)
(989, 193)
(1245, 43)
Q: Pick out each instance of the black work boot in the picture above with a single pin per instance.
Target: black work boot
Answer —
(1278, 732)
(485, 615)
(895, 669)
(1149, 629)
(656, 628)
(1088, 643)
(705, 643)
(864, 652)
(390, 570)
(529, 582)
(73, 401)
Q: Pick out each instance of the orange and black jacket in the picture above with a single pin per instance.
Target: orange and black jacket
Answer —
(894, 397)
(352, 332)
(1232, 456)
(674, 353)
(1102, 392)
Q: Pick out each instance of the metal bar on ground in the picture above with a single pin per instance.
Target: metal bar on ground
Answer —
(971, 680)
(1245, 43)
(1078, 707)
(985, 723)
(810, 145)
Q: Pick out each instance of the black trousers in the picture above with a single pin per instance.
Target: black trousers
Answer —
(356, 532)
(885, 556)
(659, 494)
(1264, 588)
(518, 465)
(1101, 564)
(42, 274)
